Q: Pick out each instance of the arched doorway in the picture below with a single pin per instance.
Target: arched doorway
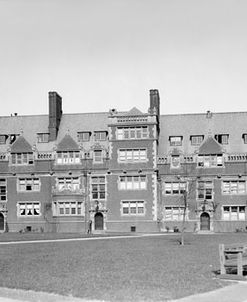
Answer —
(1, 222)
(205, 222)
(98, 221)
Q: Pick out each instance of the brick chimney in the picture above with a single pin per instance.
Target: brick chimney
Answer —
(55, 114)
(155, 104)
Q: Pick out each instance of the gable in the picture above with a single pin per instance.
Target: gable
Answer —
(67, 144)
(20, 146)
(134, 111)
(210, 146)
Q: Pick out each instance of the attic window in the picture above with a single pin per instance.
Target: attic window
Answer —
(196, 139)
(3, 139)
(13, 138)
(222, 138)
(100, 135)
(175, 140)
(83, 136)
(43, 137)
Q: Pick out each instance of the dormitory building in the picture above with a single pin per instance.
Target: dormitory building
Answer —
(123, 171)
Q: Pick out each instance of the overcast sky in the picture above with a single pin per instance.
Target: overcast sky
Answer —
(101, 54)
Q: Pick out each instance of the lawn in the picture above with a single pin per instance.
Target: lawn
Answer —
(153, 268)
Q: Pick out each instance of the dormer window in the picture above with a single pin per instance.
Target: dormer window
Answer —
(83, 136)
(222, 138)
(196, 140)
(175, 140)
(43, 137)
(3, 139)
(100, 135)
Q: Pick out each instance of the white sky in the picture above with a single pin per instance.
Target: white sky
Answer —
(101, 54)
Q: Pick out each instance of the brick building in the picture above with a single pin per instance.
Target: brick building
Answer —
(123, 171)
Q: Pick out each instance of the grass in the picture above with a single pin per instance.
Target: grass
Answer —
(136, 269)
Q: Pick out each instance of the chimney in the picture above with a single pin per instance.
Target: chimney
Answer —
(155, 102)
(55, 114)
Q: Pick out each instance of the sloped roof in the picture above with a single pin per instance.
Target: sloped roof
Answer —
(134, 111)
(21, 145)
(67, 144)
(210, 146)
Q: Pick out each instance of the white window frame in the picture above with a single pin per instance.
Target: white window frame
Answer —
(132, 182)
(3, 189)
(83, 136)
(126, 133)
(42, 137)
(31, 209)
(133, 208)
(28, 184)
(68, 183)
(68, 157)
(22, 158)
(98, 158)
(234, 213)
(98, 187)
(174, 213)
(132, 155)
(196, 140)
(207, 189)
(174, 187)
(233, 187)
(100, 135)
(210, 161)
(176, 140)
(68, 208)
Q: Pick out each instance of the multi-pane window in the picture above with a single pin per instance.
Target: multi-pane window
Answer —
(28, 184)
(175, 213)
(136, 182)
(174, 188)
(43, 137)
(22, 158)
(68, 183)
(100, 135)
(222, 138)
(67, 208)
(3, 189)
(68, 157)
(98, 187)
(133, 207)
(175, 140)
(196, 139)
(98, 156)
(210, 161)
(132, 132)
(28, 209)
(233, 213)
(132, 155)
(234, 187)
(205, 190)
(83, 136)
(3, 139)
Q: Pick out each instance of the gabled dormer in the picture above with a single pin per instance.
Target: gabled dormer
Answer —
(21, 152)
(210, 154)
(68, 151)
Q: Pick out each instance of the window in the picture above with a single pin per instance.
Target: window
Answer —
(137, 182)
(133, 207)
(98, 187)
(233, 213)
(98, 156)
(68, 183)
(175, 140)
(210, 161)
(222, 138)
(132, 155)
(175, 213)
(67, 158)
(174, 188)
(27, 209)
(22, 159)
(3, 189)
(205, 190)
(28, 184)
(196, 139)
(43, 137)
(3, 139)
(83, 136)
(132, 132)
(233, 187)
(100, 135)
(67, 208)
(244, 136)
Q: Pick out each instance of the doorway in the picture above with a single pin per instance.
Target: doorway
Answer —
(205, 222)
(1, 222)
(98, 221)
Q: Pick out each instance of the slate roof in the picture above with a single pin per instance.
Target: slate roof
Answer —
(210, 146)
(21, 145)
(67, 144)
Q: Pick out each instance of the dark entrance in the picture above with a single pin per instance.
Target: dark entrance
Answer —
(205, 221)
(98, 221)
(1, 222)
